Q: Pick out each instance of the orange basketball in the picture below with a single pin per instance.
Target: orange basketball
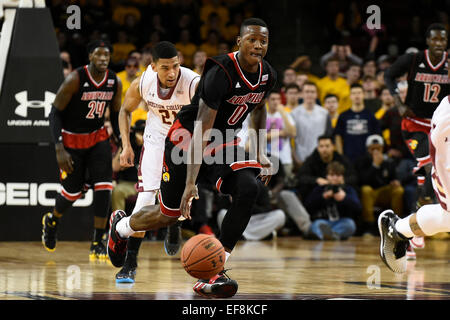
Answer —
(203, 256)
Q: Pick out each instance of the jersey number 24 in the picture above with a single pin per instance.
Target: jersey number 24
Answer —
(96, 108)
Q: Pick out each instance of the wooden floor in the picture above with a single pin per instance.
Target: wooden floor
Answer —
(280, 269)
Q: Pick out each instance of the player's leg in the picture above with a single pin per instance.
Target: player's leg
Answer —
(71, 185)
(243, 188)
(151, 217)
(129, 269)
(99, 164)
(429, 219)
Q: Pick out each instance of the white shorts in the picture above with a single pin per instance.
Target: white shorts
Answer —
(151, 162)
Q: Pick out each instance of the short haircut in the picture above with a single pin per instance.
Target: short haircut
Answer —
(326, 137)
(252, 22)
(273, 92)
(333, 58)
(336, 168)
(356, 85)
(368, 77)
(99, 43)
(384, 87)
(309, 83)
(292, 86)
(435, 26)
(330, 95)
(164, 50)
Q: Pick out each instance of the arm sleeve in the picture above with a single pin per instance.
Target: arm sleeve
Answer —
(397, 69)
(214, 87)
(55, 122)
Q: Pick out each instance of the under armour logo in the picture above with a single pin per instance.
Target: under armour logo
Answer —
(391, 232)
(24, 104)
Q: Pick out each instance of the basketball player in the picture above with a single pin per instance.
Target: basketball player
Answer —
(428, 84)
(82, 143)
(231, 87)
(429, 219)
(165, 87)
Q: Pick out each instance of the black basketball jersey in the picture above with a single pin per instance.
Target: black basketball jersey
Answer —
(243, 94)
(427, 84)
(86, 110)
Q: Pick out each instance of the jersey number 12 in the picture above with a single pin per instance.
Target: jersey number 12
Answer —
(431, 97)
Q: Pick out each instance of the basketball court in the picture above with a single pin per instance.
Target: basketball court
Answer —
(280, 269)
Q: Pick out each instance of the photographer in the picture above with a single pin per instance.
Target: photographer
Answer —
(333, 207)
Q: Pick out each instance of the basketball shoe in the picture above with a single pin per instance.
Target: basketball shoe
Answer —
(97, 251)
(219, 286)
(172, 241)
(128, 271)
(393, 244)
(49, 227)
(117, 247)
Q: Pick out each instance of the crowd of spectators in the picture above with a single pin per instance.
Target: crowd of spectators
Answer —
(342, 156)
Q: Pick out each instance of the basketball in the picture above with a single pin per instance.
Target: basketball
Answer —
(203, 256)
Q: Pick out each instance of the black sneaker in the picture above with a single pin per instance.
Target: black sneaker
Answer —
(98, 251)
(49, 226)
(172, 241)
(128, 272)
(117, 247)
(219, 286)
(393, 245)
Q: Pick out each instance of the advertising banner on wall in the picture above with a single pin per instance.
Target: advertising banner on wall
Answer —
(29, 183)
(31, 79)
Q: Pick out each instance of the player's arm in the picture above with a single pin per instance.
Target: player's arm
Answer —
(258, 122)
(400, 67)
(204, 122)
(65, 92)
(130, 103)
(115, 108)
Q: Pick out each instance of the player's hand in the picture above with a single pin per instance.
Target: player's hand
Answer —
(267, 169)
(63, 158)
(127, 157)
(190, 193)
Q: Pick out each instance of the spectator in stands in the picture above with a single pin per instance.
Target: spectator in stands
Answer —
(311, 121)
(121, 48)
(185, 46)
(370, 68)
(224, 48)
(122, 10)
(331, 104)
(146, 58)
(313, 172)
(387, 103)
(332, 82)
(211, 46)
(289, 77)
(354, 126)
(199, 60)
(210, 6)
(379, 183)
(302, 64)
(66, 68)
(280, 126)
(233, 28)
(292, 95)
(333, 207)
(353, 75)
(344, 56)
(126, 179)
(213, 24)
(371, 100)
(127, 76)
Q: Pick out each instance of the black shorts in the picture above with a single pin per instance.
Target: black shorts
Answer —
(415, 133)
(91, 166)
(223, 160)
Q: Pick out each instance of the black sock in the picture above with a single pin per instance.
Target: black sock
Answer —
(98, 234)
(134, 244)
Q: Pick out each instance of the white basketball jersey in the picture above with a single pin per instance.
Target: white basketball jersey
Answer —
(163, 109)
(440, 152)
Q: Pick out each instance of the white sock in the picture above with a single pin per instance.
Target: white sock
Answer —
(227, 255)
(404, 228)
(123, 228)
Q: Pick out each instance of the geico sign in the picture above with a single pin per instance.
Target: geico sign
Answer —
(34, 194)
